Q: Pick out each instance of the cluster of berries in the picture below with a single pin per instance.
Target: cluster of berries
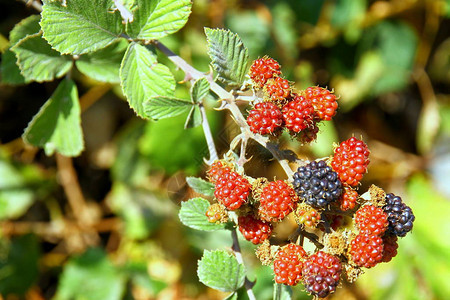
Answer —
(283, 107)
(319, 272)
(320, 193)
(272, 201)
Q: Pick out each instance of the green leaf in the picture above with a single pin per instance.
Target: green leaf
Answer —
(27, 26)
(192, 214)
(165, 107)
(38, 61)
(221, 271)
(18, 264)
(201, 186)
(57, 125)
(10, 70)
(80, 26)
(15, 197)
(228, 54)
(158, 18)
(90, 276)
(200, 90)
(142, 77)
(281, 292)
(194, 118)
(103, 65)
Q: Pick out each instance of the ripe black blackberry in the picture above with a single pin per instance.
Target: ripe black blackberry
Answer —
(317, 184)
(400, 216)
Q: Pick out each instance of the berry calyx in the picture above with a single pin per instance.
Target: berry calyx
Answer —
(263, 69)
(298, 114)
(265, 118)
(277, 89)
(254, 230)
(321, 274)
(323, 101)
(288, 264)
(400, 216)
(277, 200)
(232, 190)
(217, 169)
(317, 184)
(371, 220)
(366, 250)
(350, 161)
(348, 199)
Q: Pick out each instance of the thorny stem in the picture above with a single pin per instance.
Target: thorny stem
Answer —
(237, 252)
(208, 136)
(192, 73)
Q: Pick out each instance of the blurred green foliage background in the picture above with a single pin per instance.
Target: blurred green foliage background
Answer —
(104, 225)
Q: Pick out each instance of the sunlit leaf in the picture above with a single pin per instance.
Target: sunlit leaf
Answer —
(192, 214)
(57, 125)
(221, 271)
(158, 18)
(201, 186)
(228, 54)
(103, 65)
(142, 77)
(80, 26)
(165, 107)
(38, 61)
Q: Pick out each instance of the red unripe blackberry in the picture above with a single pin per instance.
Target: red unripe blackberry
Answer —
(324, 102)
(366, 250)
(232, 190)
(372, 220)
(265, 118)
(217, 169)
(350, 161)
(254, 230)
(390, 247)
(298, 114)
(321, 274)
(277, 89)
(277, 200)
(288, 264)
(308, 134)
(400, 215)
(263, 69)
(348, 199)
